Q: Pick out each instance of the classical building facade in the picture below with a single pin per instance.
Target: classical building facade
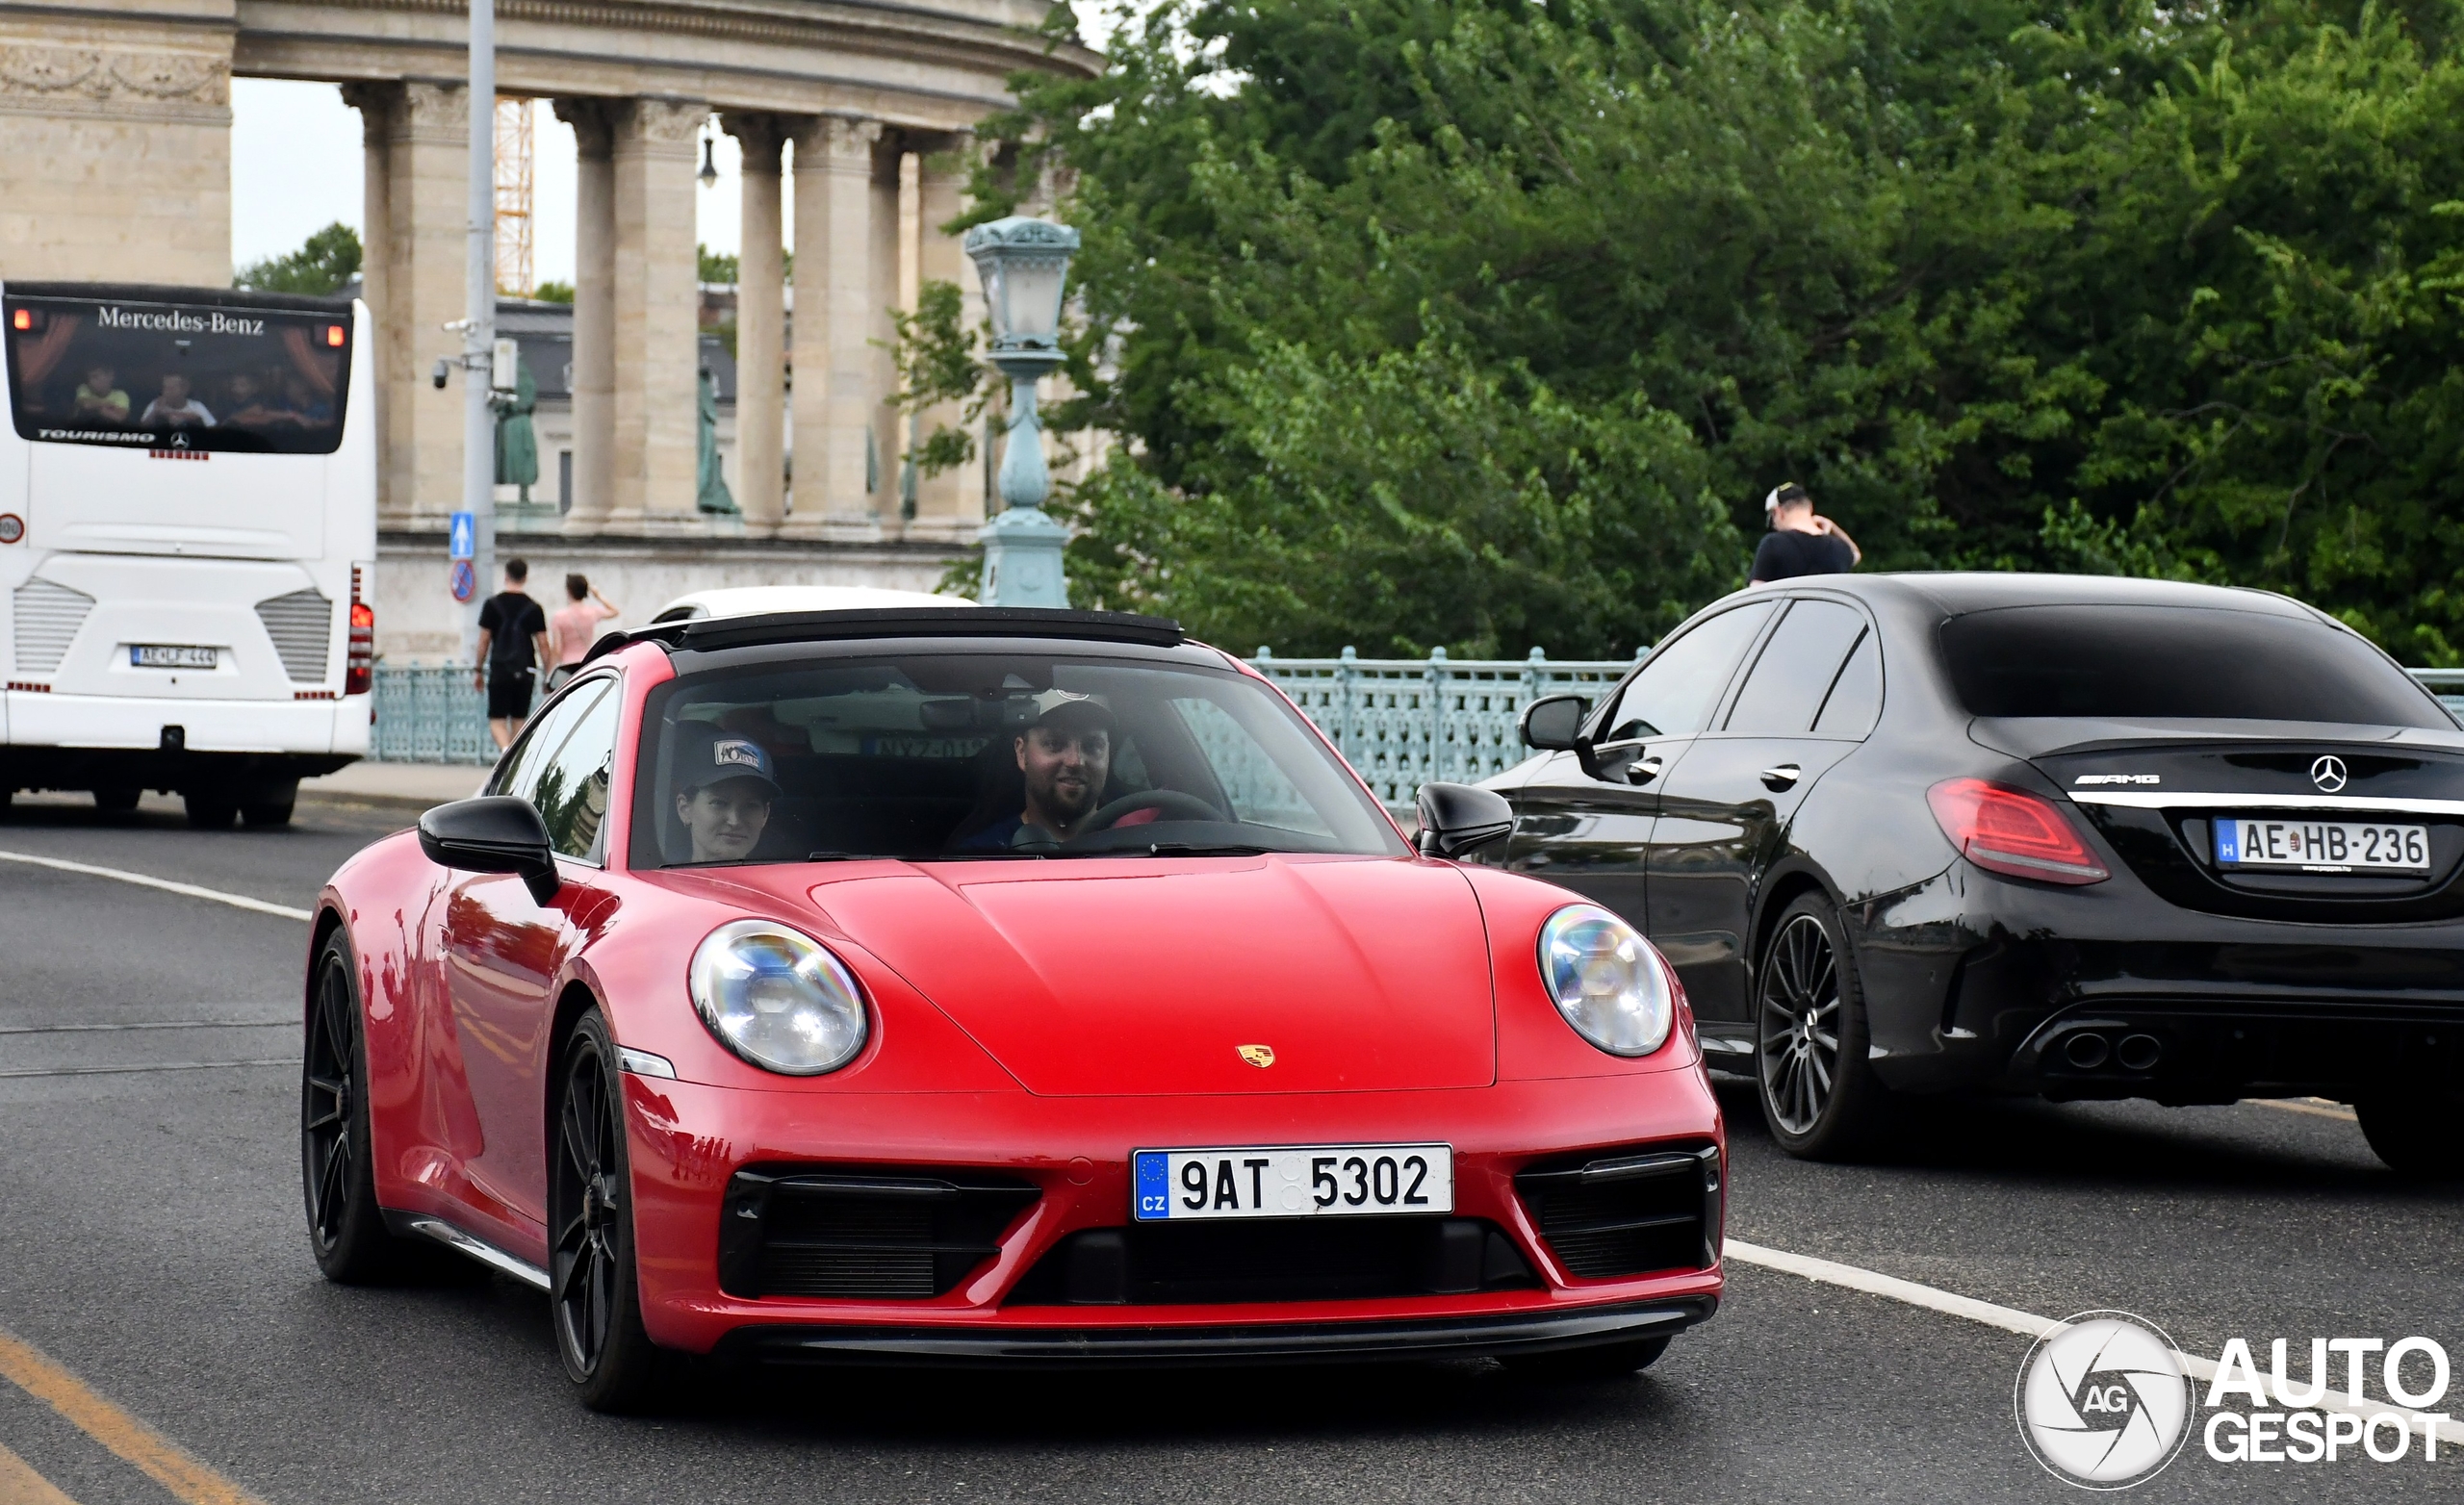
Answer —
(115, 165)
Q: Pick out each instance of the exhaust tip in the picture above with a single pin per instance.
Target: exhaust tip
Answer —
(2085, 1050)
(2140, 1052)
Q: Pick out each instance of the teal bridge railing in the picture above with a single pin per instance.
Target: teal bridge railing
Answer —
(1401, 722)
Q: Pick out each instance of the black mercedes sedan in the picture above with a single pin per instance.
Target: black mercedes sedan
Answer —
(2074, 836)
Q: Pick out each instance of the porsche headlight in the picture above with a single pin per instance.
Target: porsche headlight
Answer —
(778, 998)
(1606, 980)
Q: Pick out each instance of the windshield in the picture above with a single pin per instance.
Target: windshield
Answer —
(2175, 663)
(987, 757)
(164, 375)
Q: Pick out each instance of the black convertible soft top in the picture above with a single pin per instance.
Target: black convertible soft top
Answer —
(704, 634)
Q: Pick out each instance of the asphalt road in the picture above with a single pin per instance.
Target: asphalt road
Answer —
(151, 1247)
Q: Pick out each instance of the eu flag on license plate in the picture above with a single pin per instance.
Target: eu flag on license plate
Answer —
(2228, 841)
(1154, 1183)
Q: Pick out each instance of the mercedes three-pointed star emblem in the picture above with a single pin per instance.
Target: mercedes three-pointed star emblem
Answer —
(2328, 773)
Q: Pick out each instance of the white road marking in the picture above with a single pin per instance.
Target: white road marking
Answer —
(2027, 1324)
(167, 885)
(2312, 1106)
(167, 1065)
(157, 1024)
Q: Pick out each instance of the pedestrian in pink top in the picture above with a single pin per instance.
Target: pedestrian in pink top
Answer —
(575, 626)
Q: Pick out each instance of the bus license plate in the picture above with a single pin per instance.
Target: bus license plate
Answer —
(1280, 1181)
(2329, 846)
(163, 655)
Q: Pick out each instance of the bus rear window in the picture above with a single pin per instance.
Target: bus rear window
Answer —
(161, 375)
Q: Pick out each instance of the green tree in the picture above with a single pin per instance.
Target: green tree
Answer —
(330, 258)
(554, 292)
(2089, 285)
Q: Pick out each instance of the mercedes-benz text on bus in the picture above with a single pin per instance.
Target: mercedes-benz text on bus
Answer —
(188, 540)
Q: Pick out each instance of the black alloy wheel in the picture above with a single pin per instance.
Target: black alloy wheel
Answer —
(1819, 1094)
(346, 1227)
(2414, 1130)
(598, 1306)
(1586, 1365)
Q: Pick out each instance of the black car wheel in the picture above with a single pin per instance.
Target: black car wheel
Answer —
(346, 1227)
(2415, 1132)
(1602, 1361)
(607, 1353)
(1819, 1095)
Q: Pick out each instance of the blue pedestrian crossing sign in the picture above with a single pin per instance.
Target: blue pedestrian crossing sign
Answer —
(464, 535)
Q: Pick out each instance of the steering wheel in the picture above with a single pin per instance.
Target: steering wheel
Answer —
(1171, 802)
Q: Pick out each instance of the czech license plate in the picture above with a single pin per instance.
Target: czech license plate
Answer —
(164, 655)
(1277, 1181)
(2330, 846)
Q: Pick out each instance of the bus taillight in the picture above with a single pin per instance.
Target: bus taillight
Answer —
(24, 319)
(334, 336)
(359, 672)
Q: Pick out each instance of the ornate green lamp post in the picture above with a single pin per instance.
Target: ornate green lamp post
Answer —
(1024, 264)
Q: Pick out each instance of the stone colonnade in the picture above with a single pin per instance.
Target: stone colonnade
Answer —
(635, 314)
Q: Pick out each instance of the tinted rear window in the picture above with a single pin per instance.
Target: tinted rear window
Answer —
(2175, 663)
(127, 373)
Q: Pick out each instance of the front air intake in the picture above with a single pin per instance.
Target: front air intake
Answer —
(859, 1234)
(1632, 1213)
(301, 626)
(48, 615)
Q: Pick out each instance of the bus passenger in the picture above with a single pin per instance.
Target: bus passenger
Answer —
(251, 406)
(100, 398)
(175, 408)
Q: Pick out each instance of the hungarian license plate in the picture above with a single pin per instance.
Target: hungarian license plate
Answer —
(2322, 846)
(164, 655)
(1277, 1181)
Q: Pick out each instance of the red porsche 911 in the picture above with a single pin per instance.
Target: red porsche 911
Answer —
(930, 986)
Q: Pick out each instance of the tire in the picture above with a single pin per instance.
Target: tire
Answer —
(119, 800)
(2416, 1132)
(269, 806)
(347, 1228)
(1586, 1366)
(210, 811)
(593, 1291)
(1819, 1093)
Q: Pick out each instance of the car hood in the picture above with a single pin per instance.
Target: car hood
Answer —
(1097, 977)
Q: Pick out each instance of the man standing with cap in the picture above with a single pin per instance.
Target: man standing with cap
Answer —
(1800, 541)
(724, 787)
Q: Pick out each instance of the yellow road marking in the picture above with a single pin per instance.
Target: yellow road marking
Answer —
(151, 1453)
(2341, 1115)
(20, 1485)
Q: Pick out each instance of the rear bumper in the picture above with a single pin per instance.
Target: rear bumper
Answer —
(78, 741)
(1975, 982)
(1264, 1344)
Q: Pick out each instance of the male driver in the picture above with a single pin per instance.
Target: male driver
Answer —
(1065, 757)
(1800, 541)
(724, 791)
(513, 641)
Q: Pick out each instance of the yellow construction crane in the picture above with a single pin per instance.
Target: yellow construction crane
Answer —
(514, 115)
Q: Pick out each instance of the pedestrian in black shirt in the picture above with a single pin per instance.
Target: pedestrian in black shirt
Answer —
(513, 642)
(1800, 542)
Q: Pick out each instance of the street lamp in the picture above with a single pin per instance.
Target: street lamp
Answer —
(1024, 266)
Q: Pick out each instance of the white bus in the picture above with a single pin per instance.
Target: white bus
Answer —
(187, 543)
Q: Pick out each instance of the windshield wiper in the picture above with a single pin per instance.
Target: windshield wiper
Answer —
(1192, 849)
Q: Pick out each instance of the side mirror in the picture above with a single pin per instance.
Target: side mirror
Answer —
(1456, 818)
(493, 834)
(1554, 723)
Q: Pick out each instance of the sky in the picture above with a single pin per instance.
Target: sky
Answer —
(296, 168)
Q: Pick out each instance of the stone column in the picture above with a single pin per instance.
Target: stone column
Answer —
(948, 506)
(835, 372)
(420, 134)
(116, 145)
(373, 101)
(594, 351)
(760, 329)
(658, 315)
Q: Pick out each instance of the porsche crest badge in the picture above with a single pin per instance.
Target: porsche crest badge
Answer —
(1258, 1055)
